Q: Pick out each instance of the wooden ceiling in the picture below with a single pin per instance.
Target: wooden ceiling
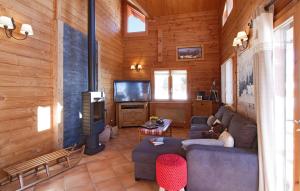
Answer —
(172, 7)
(279, 5)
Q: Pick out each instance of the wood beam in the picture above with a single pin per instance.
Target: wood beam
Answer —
(139, 7)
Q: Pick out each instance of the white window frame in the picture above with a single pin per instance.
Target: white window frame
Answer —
(227, 82)
(170, 98)
(139, 33)
(227, 10)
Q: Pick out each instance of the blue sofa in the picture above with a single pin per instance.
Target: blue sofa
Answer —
(210, 168)
(213, 168)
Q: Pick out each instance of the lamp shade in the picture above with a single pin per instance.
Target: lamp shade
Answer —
(132, 67)
(6, 21)
(242, 35)
(26, 28)
(237, 42)
(139, 67)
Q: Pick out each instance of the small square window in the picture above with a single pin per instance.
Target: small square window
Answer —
(136, 21)
(227, 10)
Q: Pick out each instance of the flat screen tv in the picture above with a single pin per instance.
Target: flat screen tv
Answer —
(132, 91)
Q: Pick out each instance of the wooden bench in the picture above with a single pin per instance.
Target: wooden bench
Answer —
(18, 170)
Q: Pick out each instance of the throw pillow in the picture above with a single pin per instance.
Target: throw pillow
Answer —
(209, 135)
(213, 142)
(211, 120)
(227, 139)
(218, 129)
(217, 121)
(220, 112)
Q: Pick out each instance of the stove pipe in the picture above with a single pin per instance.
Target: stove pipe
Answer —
(91, 47)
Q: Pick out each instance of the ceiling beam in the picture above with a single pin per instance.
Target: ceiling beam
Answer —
(139, 7)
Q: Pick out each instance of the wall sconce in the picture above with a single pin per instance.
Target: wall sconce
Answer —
(9, 26)
(241, 42)
(136, 67)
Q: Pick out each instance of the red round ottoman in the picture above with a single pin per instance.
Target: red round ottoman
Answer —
(171, 172)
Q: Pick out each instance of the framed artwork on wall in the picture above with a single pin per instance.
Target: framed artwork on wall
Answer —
(245, 84)
(188, 53)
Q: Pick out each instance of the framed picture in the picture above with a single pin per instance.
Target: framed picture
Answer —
(188, 53)
(199, 97)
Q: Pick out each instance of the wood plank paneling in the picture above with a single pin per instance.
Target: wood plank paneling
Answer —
(28, 69)
(172, 7)
(279, 5)
(109, 37)
(238, 20)
(26, 81)
(297, 98)
(177, 30)
(179, 112)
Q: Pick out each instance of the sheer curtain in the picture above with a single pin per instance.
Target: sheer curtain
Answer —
(264, 97)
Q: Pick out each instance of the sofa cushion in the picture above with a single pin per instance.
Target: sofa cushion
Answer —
(217, 129)
(220, 112)
(227, 139)
(211, 120)
(213, 142)
(199, 127)
(145, 152)
(227, 116)
(243, 131)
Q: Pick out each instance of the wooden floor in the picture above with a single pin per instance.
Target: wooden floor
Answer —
(110, 170)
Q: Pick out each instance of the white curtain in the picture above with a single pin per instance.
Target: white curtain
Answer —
(264, 98)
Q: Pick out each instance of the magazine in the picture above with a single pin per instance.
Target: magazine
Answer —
(157, 141)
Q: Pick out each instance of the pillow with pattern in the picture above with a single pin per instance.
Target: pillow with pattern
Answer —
(211, 120)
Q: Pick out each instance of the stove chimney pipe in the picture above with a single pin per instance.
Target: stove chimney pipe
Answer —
(91, 47)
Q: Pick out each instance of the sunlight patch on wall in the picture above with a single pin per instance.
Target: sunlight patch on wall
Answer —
(43, 118)
(59, 108)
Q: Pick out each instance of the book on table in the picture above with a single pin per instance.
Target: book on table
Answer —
(157, 141)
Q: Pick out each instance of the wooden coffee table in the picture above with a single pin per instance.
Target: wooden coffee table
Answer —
(160, 131)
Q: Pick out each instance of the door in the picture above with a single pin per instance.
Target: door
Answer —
(285, 104)
(297, 99)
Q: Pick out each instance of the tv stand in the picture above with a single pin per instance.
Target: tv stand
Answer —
(132, 114)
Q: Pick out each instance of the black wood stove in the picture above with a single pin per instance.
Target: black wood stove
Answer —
(93, 103)
(93, 115)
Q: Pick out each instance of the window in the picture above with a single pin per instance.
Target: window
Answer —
(227, 10)
(136, 21)
(161, 81)
(170, 85)
(227, 82)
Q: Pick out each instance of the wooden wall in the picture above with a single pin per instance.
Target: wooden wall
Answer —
(109, 36)
(238, 20)
(26, 81)
(27, 69)
(243, 10)
(177, 30)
